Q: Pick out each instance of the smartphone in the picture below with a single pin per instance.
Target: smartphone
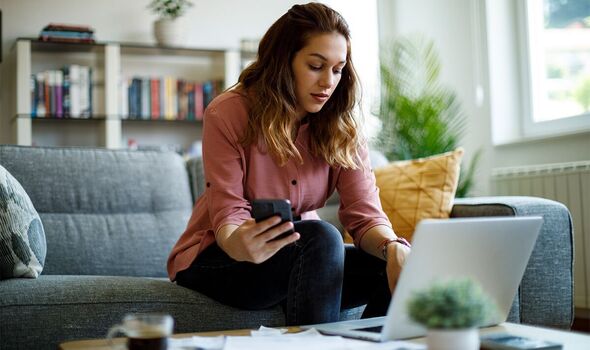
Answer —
(263, 209)
(503, 341)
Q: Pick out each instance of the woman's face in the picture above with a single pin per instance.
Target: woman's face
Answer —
(318, 68)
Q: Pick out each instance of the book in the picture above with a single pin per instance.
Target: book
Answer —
(170, 114)
(52, 92)
(59, 78)
(47, 93)
(34, 94)
(66, 91)
(67, 33)
(162, 96)
(75, 109)
(67, 40)
(90, 92)
(190, 86)
(68, 28)
(208, 93)
(182, 91)
(85, 88)
(504, 341)
(199, 101)
(145, 99)
(73, 35)
(135, 98)
(174, 99)
(155, 98)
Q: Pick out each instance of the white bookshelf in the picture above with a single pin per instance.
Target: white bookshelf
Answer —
(111, 63)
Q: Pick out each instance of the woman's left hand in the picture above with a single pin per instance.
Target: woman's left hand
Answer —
(396, 257)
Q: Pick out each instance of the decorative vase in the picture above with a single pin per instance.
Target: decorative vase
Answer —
(169, 32)
(452, 339)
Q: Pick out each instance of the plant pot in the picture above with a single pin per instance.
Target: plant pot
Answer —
(169, 32)
(452, 339)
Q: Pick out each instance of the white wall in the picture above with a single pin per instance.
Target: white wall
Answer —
(210, 24)
(457, 29)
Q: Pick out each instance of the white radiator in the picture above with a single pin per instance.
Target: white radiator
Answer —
(568, 183)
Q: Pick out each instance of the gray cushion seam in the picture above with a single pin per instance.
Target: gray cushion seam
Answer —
(571, 224)
(102, 303)
(95, 213)
(487, 204)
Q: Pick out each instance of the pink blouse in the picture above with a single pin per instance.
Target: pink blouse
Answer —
(235, 174)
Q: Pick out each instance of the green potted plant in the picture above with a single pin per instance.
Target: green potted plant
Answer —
(169, 29)
(451, 311)
(420, 117)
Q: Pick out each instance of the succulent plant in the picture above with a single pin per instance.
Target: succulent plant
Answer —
(454, 304)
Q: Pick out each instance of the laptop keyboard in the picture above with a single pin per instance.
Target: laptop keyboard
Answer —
(376, 329)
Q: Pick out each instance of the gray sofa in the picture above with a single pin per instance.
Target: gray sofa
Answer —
(111, 218)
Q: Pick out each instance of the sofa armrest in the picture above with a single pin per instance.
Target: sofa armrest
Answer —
(194, 167)
(545, 294)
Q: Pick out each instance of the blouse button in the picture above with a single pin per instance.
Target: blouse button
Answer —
(294, 182)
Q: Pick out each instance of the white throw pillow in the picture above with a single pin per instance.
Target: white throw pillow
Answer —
(22, 238)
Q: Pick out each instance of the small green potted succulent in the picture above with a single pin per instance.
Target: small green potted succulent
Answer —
(451, 311)
(169, 29)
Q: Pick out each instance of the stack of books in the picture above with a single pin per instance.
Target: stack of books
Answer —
(166, 98)
(67, 33)
(62, 93)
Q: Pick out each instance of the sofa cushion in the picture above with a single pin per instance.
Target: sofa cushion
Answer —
(104, 212)
(60, 308)
(22, 239)
(546, 291)
(412, 190)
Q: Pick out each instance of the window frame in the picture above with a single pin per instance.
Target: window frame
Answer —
(531, 79)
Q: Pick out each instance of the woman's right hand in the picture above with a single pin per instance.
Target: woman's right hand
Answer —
(253, 241)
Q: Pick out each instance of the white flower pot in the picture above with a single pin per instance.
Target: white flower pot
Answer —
(452, 339)
(169, 32)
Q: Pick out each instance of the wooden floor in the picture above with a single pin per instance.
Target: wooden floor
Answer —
(581, 320)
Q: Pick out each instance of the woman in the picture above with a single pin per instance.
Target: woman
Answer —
(287, 131)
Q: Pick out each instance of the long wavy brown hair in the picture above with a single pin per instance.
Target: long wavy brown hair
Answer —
(269, 85)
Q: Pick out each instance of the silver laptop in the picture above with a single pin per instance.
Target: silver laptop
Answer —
(492, 251)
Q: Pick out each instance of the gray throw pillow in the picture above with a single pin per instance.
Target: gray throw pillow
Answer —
(22, 238)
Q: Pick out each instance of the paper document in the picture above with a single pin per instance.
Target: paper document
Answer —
(272, 339)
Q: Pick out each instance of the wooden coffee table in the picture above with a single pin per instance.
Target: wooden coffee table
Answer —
(570, 340)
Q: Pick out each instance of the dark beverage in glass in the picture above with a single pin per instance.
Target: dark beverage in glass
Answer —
(151, 343)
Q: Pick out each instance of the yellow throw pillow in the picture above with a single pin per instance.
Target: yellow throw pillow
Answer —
(412, 190)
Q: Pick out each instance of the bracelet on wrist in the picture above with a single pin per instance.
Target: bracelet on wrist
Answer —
(386, 242)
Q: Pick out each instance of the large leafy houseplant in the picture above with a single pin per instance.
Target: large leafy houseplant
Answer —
(419, 116)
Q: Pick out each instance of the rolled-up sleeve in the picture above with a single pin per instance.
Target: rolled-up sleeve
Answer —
(224, 168)
(360, 206)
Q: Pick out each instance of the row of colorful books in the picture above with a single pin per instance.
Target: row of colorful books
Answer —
(62, 93)
(166, 98)
(67, 33)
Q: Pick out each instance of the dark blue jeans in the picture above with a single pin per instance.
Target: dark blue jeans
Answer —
(313, 278)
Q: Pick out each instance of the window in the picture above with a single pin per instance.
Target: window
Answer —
(555, 66)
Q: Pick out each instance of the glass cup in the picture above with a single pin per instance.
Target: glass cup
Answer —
(144, 331)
